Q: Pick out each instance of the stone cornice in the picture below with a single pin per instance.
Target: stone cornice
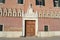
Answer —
(9, 12)
(50, 14)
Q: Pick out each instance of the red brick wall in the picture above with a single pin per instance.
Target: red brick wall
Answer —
(17, 22)
(11, 23)
(14, 4)
(53, 24)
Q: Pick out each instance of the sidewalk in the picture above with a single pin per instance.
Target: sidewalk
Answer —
(32, 38)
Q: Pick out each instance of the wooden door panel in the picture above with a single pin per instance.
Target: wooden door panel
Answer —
(28, 34)
(30, 28)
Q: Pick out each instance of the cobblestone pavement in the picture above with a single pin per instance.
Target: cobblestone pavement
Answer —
(32, 38)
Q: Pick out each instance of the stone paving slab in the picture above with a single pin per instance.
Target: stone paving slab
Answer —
(32, 38)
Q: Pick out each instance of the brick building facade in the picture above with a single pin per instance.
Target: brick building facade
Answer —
(29, 18)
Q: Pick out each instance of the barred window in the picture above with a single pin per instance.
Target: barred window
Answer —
(45, 28)
(20, 1)
(40, 2)
(56, 3)
(2, 1)
(1, 27)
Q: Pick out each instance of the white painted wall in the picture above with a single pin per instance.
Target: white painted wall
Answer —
(49, 34)
(19, 34)
(11, 34)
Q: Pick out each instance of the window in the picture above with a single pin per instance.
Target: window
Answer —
(1, 27)
(56, 3)
(40, 2)
(2, 1)
(20, 1)
(45, 28)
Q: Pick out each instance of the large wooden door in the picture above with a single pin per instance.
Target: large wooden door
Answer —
(30, 28)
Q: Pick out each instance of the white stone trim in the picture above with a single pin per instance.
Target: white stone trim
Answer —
(36, 25)
(49, 14)
(19, 12)
(1, 11)
(10, 12)
(14, 12)
(48, 34)
(11, 34)
(17, 34)
(1, 3)
(30, 15)
(5, 12)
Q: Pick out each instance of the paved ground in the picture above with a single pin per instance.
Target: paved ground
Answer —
(31, 38)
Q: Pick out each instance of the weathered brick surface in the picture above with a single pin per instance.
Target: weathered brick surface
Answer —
(11, 23)
(14, 24)
(53, 24)
(14, 4)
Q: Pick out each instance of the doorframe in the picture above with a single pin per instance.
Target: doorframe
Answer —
(36, 25)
